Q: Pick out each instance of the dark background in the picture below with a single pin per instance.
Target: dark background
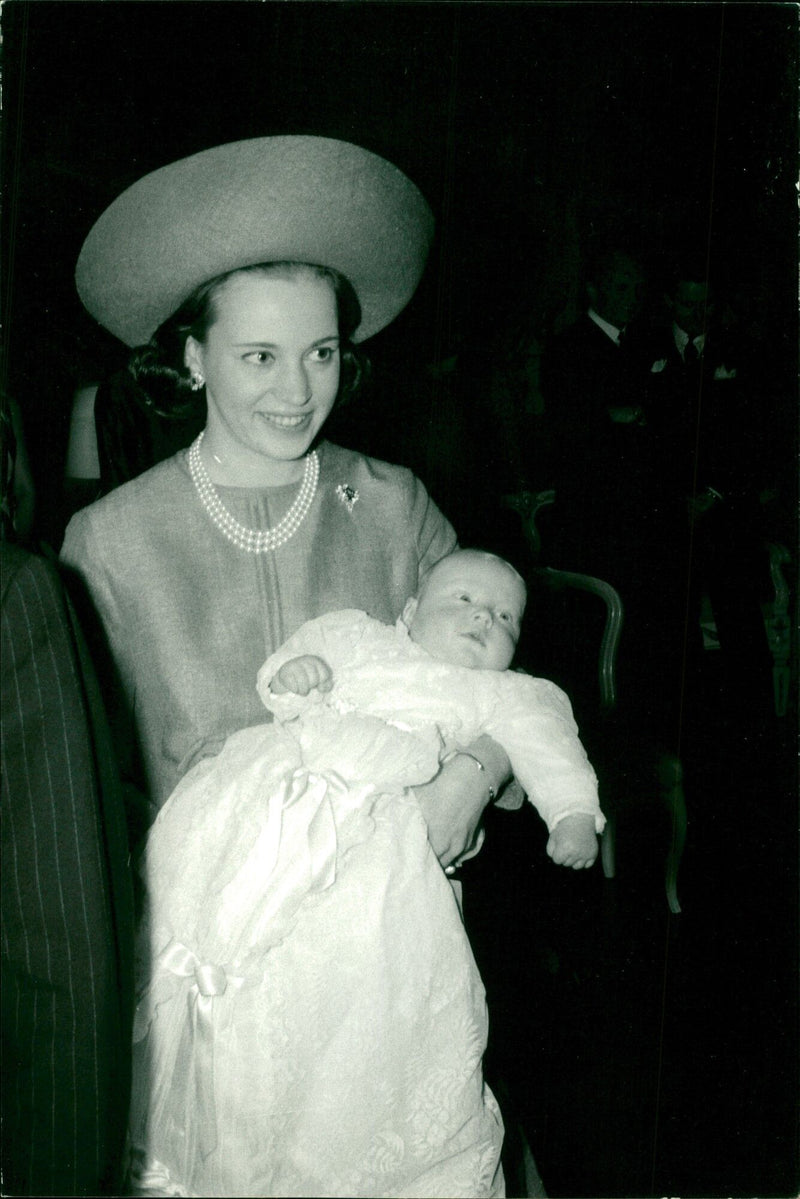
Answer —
(527, 126)
(673, 1066)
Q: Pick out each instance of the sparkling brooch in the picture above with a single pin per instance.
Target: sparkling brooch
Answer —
(348, 495)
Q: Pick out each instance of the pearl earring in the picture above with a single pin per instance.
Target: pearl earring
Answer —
(197, 382)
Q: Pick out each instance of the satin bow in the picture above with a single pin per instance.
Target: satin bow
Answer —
(193, 1075)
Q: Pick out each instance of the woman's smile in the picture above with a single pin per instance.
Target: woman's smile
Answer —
(285, 422)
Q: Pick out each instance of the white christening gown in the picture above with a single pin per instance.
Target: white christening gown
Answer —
(312, 1021)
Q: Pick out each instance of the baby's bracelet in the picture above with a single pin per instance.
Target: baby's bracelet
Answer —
(464, 753)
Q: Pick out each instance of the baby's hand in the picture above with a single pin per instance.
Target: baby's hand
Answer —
(573, 842)
(301, 675)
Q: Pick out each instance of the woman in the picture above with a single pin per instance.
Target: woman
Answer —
(249, 270)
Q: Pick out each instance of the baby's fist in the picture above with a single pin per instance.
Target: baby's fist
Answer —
(301, 675)
(573, 842)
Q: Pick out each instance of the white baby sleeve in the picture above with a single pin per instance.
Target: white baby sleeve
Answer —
(532, 719)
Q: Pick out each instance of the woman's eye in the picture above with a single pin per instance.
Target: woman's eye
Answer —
(259, 357)
(323, 353)
(465, 598)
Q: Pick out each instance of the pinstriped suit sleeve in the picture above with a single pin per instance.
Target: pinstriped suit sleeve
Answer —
(65, 907)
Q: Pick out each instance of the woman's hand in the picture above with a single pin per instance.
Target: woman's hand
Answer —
(454, 802)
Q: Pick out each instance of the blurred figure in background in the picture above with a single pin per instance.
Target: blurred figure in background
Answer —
(600, 458)
(595, 451)
(712, 406)
(591, 370)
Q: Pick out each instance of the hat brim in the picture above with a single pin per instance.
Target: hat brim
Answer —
(291, 198)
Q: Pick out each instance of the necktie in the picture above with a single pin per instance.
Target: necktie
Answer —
(691, 354)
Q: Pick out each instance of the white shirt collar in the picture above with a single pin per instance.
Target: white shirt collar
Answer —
(682, 339)
(610, 330)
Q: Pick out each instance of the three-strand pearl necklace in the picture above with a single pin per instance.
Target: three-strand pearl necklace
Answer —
(254, 541)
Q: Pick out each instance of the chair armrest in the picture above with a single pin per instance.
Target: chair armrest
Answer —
(613, 627)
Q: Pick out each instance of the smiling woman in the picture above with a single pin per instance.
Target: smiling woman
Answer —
(201, 567)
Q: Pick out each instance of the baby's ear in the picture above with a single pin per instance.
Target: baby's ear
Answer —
(409, 610)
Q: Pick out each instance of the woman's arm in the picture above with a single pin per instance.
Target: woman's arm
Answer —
(90, 586)
(454, 802)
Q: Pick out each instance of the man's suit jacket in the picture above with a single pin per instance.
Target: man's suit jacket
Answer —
(714, 417)
(66, 902)
(596, 448)
(587, 378)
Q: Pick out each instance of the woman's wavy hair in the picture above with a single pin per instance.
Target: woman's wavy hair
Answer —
(158, 368)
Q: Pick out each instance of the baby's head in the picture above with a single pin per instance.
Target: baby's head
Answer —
(468, 611)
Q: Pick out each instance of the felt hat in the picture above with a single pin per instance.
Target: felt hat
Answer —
(298, 198)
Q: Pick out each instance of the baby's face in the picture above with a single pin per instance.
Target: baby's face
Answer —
(469, 612)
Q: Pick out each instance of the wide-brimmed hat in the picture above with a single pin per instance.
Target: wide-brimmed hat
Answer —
(267, 199)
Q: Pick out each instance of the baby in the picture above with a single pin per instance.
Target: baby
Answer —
(311, 1019)
(468, 612)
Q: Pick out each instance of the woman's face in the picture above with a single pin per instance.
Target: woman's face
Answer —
(270, 361)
